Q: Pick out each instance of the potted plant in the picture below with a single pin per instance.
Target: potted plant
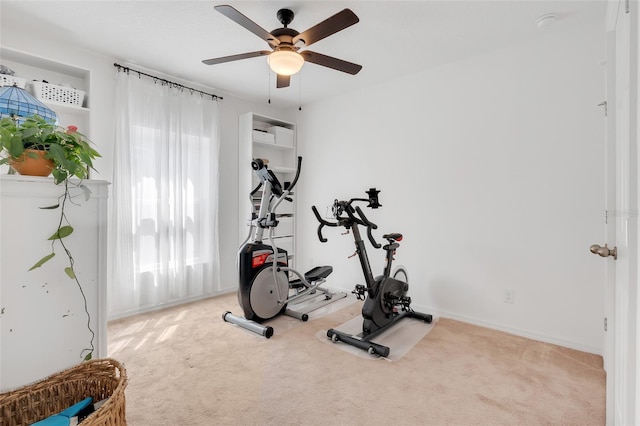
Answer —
(67, 154)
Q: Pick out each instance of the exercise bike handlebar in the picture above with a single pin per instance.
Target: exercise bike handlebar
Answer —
(360, 219)
(323, 223)
(370, 225)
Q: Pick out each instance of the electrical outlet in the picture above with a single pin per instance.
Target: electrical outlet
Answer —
(508, 295)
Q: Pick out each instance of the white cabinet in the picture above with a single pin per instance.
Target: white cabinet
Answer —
(43, 323)
(275, 140)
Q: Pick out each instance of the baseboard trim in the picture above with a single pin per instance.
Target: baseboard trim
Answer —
(153, 308)
(499, 327)
(511, 330)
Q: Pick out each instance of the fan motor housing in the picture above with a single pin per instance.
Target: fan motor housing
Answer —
(284, 35)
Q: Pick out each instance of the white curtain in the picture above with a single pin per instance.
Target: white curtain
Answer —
(163, 245)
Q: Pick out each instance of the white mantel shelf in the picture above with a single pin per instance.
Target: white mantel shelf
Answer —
(43, 325)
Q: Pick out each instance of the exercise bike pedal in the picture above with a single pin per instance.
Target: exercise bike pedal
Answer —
(359, 291)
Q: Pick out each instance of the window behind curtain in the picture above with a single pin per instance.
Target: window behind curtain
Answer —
(163, 237)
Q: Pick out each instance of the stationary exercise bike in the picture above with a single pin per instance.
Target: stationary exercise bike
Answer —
(267, 286)
(385, 297)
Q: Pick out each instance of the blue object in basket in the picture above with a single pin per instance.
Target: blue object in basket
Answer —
(63, 417)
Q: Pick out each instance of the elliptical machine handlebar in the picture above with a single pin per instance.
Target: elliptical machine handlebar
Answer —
(259, 165)
(295, 179)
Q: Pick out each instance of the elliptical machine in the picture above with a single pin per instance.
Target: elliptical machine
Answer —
(385, 297)
(267, 286)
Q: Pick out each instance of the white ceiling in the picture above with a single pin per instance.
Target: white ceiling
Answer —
(393, 38)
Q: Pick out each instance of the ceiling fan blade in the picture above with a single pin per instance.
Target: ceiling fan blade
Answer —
(331, 62)
(283, 81)
(332, 25)
(247, 23)
(235, 57)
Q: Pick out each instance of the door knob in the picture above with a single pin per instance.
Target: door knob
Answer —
(604, 251)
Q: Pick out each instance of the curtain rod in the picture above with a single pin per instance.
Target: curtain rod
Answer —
(170, 83)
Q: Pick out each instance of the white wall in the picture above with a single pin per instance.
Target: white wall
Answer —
(492, 168)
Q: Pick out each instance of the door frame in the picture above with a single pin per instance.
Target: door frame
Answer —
(622, 342)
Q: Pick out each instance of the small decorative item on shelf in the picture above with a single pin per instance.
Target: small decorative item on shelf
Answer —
(8, 78)
(6, 70)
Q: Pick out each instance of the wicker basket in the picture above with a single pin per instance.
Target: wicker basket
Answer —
(57, 94)
(99, 379)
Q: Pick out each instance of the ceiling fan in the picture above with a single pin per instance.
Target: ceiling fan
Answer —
(284, 57)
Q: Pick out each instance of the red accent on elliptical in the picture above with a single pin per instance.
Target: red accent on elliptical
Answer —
(259, 260)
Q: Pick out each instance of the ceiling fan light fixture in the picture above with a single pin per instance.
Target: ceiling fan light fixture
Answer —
(285, 62)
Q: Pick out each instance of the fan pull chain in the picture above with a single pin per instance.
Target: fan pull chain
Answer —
(269, 72)
(299, 91)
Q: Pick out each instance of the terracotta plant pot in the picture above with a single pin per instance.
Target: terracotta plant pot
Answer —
(28, 166)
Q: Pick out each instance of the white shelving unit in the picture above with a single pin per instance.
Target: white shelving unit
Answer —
(282, 161)
(32, 68)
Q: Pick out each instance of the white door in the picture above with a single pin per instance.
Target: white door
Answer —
(621, 299)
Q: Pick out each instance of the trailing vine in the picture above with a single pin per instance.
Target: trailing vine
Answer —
(64, 230)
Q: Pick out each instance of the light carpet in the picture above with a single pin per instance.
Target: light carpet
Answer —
(283, 323)
(186, 366)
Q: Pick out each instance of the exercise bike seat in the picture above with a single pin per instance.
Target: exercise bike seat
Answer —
(393, 237)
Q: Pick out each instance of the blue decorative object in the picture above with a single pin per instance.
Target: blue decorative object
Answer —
(63, 418)
(17, 103)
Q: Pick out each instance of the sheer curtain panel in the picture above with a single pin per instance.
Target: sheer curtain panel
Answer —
(163, 228)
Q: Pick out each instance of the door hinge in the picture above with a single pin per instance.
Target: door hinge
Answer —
(626, 6)
(605, 323)
(604, 104)
(606, 217)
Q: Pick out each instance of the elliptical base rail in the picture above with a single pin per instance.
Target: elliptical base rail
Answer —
(263, 330)
(320, 298)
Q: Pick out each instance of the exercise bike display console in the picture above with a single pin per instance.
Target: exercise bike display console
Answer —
(267, 286)
(385, 297)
